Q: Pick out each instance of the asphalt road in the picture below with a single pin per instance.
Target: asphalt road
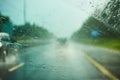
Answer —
(57, 62)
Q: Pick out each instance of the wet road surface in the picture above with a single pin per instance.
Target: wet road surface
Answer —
(56, 62)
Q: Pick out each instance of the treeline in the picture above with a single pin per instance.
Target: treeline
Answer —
(28, 31)
(23, 32)
(111, 13)
(103, 24)
(93, 28)
(3, 19)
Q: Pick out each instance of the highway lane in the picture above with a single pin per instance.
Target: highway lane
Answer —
(56, 62)
(108, 58)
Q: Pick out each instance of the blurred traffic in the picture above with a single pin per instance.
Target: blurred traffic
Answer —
(9, 52)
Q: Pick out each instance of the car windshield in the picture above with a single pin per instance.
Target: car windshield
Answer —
(59, 39)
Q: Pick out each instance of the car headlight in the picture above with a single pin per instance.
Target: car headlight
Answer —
(0, 44)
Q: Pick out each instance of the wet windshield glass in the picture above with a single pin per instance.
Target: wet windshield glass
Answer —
(59, 39)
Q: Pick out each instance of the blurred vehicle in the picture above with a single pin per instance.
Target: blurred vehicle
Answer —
(8, 52)
(62, 40)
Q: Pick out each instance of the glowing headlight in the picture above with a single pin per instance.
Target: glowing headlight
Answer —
(0, 44)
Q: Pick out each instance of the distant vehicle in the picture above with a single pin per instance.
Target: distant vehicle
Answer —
(62, 41)
(8, 52)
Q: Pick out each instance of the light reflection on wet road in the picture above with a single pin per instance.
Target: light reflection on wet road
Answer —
(51, 62)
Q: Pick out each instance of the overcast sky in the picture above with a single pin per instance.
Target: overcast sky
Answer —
(61, 17)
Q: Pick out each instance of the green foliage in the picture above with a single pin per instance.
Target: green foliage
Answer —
(92, 24)
(29, 31)
(108, 37)
(3, 19)
(102, 42)
(111, 14)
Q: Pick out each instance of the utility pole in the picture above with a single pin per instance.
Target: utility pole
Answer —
(24, 13)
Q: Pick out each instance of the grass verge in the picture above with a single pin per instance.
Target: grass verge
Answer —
(103, 42)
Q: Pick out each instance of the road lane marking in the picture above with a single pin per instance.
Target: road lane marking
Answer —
(15, 67)
(101, 68)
